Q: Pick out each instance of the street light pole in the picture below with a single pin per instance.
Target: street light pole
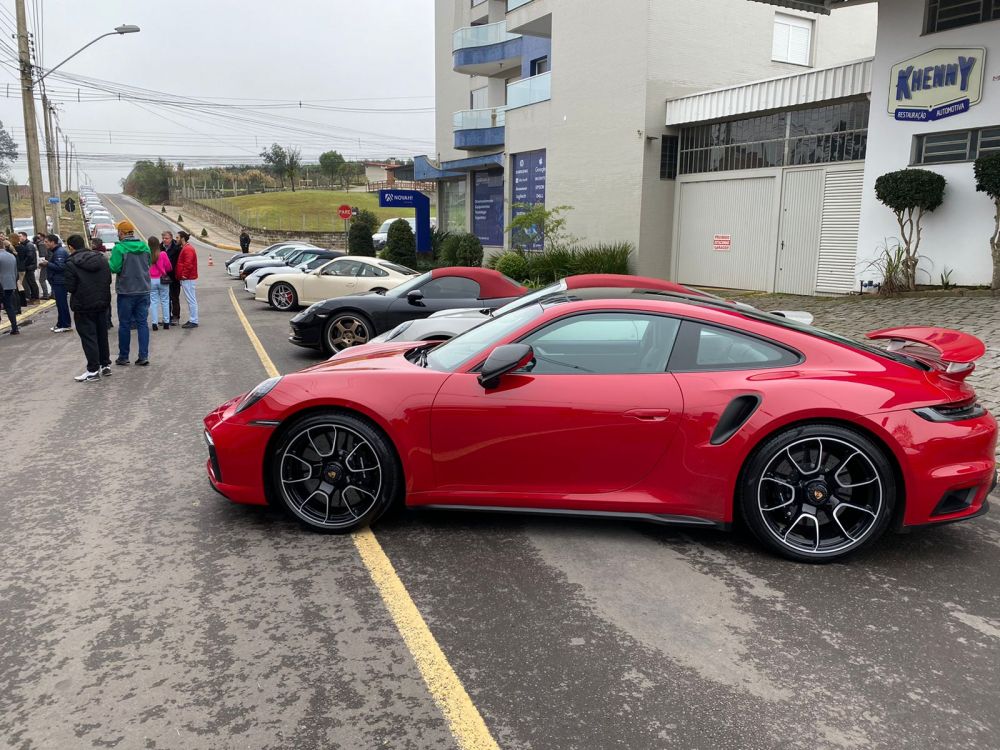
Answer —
(30, 126)
(127, 28)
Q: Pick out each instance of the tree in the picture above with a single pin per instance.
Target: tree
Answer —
(293, 163)
(987, 172)
(400, 244)
(8, 151)
(277, 161)
(469, 251)
(359, 239)
(332, 165)
(535, 223)
(149, 181)
(908, 192)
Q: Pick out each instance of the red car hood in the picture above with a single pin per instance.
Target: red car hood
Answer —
(368, 357)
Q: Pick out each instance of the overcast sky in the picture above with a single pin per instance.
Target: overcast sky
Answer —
(248, 59)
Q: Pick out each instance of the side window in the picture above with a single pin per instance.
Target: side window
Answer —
(702, 347)
(604, 343)
(342, 268)
(369, 271)
(451, 287)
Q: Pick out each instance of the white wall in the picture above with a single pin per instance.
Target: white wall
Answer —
(955, 236)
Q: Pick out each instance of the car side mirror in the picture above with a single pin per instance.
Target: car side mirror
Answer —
(504, 360)
(415, 297)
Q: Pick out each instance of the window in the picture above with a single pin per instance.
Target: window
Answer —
(451, 287)
(479, 98)
(668, 157)
(604, 343)
(958, 145)
(540, 65)
(792, 41)
(343, 268)
(369, 271)
(952, 14)
(815, 135)
(451, 205)
(702, 347)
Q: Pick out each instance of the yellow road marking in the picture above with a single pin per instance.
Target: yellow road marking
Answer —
(464, 719)
(28, 312)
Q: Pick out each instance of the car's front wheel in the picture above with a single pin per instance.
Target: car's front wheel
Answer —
(282, 296)
(818, 493)
(346, 330)
(334, 472)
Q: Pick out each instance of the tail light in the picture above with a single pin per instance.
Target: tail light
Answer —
(952, 412)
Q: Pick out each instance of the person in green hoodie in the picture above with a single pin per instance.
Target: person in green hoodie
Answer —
(130, 263)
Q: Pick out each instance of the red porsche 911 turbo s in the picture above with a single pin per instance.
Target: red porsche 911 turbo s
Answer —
(647, 404)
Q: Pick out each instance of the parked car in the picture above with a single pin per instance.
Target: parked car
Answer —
(109, 236)
(381, 236)
(337, 324)
(235, 264)
(680, 411)
(24, 225)
(338, 278)
(305, 261)
(447, 324)
(279, 260)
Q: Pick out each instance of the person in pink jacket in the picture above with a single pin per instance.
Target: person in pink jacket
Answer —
(160, 276)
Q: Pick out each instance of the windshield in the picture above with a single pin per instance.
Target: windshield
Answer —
(109, 238)
(316, 263)
(403, 289)
(384, 229)
(530, 299)
(451, 354)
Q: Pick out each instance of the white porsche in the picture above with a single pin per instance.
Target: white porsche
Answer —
(338, 278)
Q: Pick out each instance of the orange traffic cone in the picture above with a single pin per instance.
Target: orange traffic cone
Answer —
(210, 261)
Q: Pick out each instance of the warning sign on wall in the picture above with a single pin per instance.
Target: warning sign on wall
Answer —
(722, 243)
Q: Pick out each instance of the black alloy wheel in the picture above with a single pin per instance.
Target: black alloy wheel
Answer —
(347, 330)
(334, 472)
(818, 493)
(282, 297)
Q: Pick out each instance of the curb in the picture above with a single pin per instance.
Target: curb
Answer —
(30, 312)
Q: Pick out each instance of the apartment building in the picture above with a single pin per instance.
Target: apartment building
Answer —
(563, 102)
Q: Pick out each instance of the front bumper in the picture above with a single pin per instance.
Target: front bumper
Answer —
(236, 453)
(306, 332)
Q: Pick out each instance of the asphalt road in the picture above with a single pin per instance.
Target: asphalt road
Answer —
(138, 609)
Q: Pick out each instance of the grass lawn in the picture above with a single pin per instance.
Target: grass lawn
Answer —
(307, 210)
(69, 223)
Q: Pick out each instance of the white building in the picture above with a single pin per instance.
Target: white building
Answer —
(564, 102)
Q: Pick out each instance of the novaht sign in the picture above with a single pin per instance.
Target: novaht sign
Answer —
(937, 84)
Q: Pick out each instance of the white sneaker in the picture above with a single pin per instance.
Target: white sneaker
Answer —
(88, 377)
(61, 330)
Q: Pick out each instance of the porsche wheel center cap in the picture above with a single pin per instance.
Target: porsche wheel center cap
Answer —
(334, 473)
(817, 493)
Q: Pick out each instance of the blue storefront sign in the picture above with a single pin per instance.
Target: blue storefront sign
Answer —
(487, 207)
(418, 202)
(528, 190)
(937, 84)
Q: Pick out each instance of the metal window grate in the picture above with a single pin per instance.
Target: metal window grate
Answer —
(956, 146)
(989, 141)
(668, 157)
(953, 14)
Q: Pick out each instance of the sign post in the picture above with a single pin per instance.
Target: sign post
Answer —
(420, 203)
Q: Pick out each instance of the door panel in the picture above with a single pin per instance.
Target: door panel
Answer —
(551, 434)
(798, 241)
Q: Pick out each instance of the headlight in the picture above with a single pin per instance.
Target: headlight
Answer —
(398, 330)
(257, 394)
(316, 310)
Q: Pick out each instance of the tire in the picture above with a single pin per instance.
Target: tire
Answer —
(818, 493)
(346, 330)
(283, 297)
(334, 472)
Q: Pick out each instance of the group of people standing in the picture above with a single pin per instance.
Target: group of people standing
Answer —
(150, 276)
(18, 265)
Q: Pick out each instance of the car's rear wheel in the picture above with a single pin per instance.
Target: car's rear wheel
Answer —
(818, 493)
(334, 472)
(346, 330)
(282, 296)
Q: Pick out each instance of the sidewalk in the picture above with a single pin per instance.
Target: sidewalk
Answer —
(26, 314)
(217, 235)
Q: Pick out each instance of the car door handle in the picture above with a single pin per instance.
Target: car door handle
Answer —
(649, 415)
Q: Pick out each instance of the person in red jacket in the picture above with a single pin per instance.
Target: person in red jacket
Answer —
(187, 274)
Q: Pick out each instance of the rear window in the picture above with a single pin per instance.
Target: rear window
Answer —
(702, 347)
(398, 269)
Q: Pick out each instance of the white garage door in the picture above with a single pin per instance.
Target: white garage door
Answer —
(740, 209)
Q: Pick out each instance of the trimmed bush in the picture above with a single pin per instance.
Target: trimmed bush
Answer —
(359, 239)
(449, 249)
(204, 232)
(908, 192)
(179, 218)
(987, 172)
(401, 245)
(469, 251)
(512, 264)
(368, 218)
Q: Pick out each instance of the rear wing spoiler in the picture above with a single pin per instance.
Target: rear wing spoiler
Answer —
(957, 350)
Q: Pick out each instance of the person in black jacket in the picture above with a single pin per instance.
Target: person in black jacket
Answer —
(245, 241)
(26, 249)
(172, 248)
(88, 280)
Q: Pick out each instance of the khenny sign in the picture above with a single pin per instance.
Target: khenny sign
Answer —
(937, 84)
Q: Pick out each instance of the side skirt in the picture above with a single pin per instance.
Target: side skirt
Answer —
(657, 518)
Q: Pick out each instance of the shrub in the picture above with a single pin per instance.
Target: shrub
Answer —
(401, 245)
(179, 218)
(359, 239)
(603, 258)
(535, 220)
(163, 209)
(551, 264)
(987, 172)
(512, 264)
(909, 191)
(204, 232)
(469, 251)
(438, 238)
(890, 264)
(449, 249)
(368, 219)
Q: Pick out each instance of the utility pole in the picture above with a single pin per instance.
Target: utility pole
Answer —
(76, 161)
(30, 126)
(52, 153)
(69, 174)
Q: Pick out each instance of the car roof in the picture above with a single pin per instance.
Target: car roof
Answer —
(492, 284)
(625, 281)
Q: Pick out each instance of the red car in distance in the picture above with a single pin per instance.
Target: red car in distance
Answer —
(648, 404)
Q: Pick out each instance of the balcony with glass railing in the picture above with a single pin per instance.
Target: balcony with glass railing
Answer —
(515, 4)
(529, 91)
(488, 50)
(477, 129)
